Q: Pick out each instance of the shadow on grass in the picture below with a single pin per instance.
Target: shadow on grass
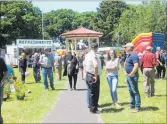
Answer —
(105, 105)
(149, 108)
(124, 103)
(59, 89)
(109, 104)
(122, 86)
(31, 83)
(112, 110)
(160, 95)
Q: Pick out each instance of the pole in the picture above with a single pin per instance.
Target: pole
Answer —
(42, 28)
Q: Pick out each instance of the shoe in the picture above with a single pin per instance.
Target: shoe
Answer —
(71, 89)
(117, 105)
(47, 89)
(74, 88)
(147, 96)
(98, 106)
(136, 111)
(152, 95)
(53, 88)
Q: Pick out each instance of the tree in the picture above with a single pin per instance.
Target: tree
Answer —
(148, 17)
(107, 18)
(58, 22)
(19, 20)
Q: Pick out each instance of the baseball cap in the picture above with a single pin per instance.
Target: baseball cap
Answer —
(129, 45)
(148, 48)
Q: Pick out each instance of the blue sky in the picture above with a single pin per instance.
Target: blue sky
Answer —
(76, 5)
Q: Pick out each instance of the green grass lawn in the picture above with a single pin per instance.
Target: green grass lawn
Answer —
(153, 109)
(36, 104)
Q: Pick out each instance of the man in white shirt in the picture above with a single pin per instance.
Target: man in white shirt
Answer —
(93, 68)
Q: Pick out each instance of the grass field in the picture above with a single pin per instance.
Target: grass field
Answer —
(153, 109)
(36, 104)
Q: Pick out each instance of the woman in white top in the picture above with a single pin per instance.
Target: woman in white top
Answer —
(112, 64)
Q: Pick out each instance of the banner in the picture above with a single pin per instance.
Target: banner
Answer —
(29, 42)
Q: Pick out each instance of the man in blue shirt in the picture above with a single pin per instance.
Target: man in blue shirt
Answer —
(47, 63)
(131, 67)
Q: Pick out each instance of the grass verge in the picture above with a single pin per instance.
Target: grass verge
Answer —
(36, 104)
(153, 109)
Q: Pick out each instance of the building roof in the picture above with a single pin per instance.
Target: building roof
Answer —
(82, 32)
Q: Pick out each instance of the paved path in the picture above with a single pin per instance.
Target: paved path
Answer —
(72, 108)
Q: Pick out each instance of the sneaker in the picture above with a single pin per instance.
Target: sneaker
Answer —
(117, 105)
(98, 105)
(147, 96)
(53, 88)
(74, 88)
(152, 95)
(47, 89)
(136, 111)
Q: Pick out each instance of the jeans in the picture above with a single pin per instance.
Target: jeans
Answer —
(133, 90)
(36, 72)
(113, 82)
(47, 72)
(1, 100)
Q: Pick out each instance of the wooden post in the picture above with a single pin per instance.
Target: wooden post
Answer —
(89, 43)
(75, 44)
(98, 41)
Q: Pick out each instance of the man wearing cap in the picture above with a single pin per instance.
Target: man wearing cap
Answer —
(148, 62)
(92, 69)
(131, 67)
(47, 64)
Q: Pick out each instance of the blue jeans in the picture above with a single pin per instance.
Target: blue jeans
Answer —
(133, 90)
(47, 72)
(113, 82)
(87, 94)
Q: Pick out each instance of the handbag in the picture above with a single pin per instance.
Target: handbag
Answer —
(27, 73)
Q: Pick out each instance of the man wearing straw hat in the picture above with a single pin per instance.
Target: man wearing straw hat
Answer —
(148, 62)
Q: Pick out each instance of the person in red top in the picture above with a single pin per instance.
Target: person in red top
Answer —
(148, 61)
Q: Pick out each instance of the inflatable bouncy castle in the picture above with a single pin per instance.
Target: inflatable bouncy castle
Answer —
(148, 39)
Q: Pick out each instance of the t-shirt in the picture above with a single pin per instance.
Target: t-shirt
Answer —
(130, 60)
(3, 68)
(112, 64)
(58, 61)
(10, 70)
(48, 60)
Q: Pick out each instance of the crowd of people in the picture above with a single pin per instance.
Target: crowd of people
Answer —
(90, 65)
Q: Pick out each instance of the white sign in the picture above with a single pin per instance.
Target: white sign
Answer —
(29, 42)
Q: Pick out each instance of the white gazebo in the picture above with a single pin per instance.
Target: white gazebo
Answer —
(80, 34)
